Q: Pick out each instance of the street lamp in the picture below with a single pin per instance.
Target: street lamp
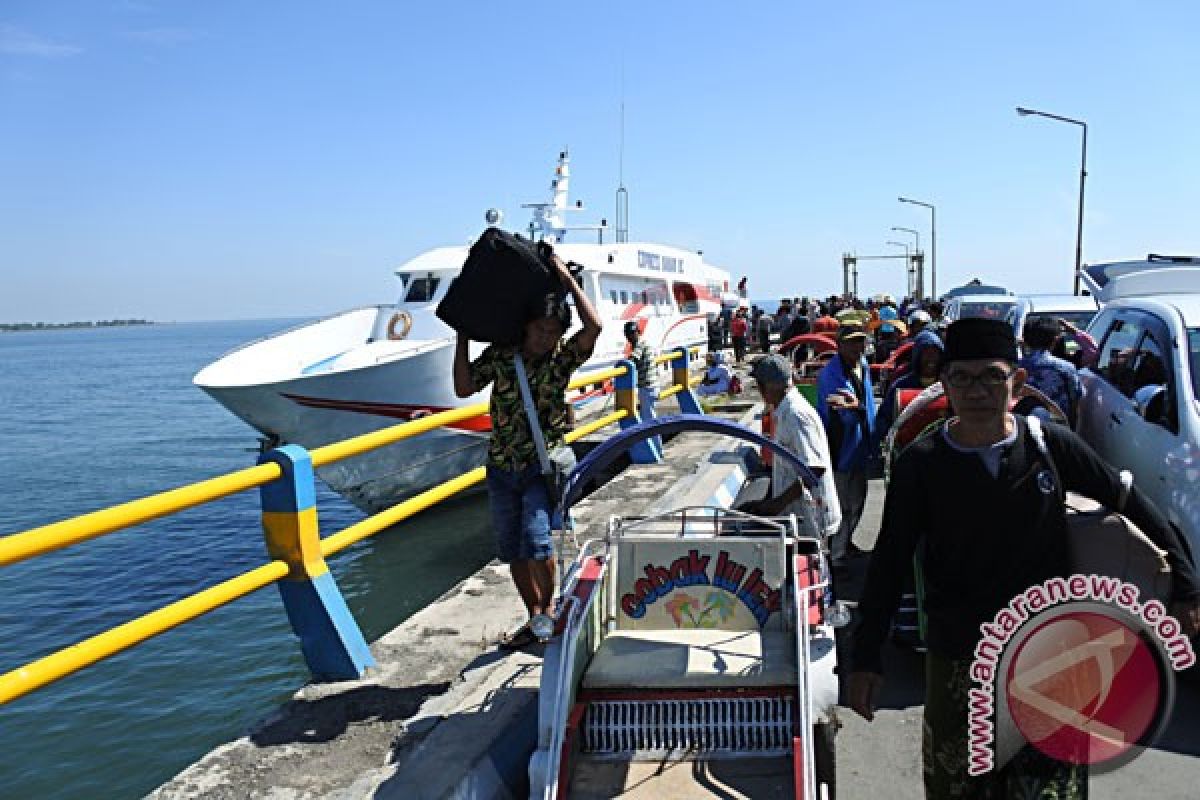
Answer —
(914, 232)
(932, 242)
(1026, 112)
(907, 267)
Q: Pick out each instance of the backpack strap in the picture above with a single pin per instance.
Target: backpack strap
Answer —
(535, 429)
(1039, 436)
(1038, 433)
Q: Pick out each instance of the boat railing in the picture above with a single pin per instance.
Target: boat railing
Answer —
(332, 643)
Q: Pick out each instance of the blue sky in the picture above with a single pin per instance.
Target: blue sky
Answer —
(182, 161)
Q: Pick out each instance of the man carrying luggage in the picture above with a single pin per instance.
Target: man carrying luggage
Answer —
(520, 501)
(983, 508)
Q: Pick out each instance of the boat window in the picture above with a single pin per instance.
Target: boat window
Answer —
(624, 297)
(404, 278)
(685, 296)
(645, 298)
(422, 290)
(614, 297)
(649, 260)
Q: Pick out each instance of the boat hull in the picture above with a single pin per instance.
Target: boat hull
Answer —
(315, 410)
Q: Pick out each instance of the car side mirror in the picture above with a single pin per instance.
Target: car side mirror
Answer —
(1151, 403)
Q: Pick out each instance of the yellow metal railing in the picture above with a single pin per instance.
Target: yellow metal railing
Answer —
(48, 538)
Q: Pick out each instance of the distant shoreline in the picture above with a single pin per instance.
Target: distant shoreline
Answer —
(17, 327)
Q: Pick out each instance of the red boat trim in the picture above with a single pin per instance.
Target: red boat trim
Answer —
(402, 411)
(589, 577)
(574, 720)
(799, 790)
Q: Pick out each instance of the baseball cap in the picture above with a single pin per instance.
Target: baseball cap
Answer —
(772, 369)
(850, 330)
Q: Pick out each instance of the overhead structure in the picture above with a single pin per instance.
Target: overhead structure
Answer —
(914, 273)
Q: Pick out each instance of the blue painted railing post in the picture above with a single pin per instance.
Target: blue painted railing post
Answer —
(688, 402)
(646, 451)
(333, 645)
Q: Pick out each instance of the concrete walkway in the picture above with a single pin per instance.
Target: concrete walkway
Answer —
(446, 714)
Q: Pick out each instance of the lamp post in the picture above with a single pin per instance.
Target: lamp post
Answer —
(932, 242)
(914, 232)
(907, 267)
(1027, 112)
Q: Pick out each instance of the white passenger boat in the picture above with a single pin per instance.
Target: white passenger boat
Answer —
(368, 368)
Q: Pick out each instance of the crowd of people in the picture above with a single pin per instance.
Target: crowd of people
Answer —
(961, 500)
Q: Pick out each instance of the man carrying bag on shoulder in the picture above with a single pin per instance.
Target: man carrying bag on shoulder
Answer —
(521, 503)
(981, 505)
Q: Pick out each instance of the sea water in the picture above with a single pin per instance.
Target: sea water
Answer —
(93, 417)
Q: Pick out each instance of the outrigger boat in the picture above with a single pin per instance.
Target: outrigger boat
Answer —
(694, 653)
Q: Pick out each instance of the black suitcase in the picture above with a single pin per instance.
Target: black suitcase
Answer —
(504, 277)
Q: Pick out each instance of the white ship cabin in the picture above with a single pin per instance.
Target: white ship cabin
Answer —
(634, 280)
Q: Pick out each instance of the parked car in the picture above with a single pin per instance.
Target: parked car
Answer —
(1141, 404)
(1079, 310)
(990, 306)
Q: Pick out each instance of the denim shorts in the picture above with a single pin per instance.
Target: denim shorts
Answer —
(520, 513)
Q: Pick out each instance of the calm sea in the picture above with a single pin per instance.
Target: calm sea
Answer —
(89, 418)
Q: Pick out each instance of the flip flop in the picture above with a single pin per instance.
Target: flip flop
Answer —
(521, 637)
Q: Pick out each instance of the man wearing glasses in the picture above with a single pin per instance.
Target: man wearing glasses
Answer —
(980, 506)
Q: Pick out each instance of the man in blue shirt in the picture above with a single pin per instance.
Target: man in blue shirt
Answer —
(1054, 377)
(846, 403)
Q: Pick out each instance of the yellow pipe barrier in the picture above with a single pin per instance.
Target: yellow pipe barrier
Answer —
(669, 355)
(38, 541)
(670, 391)
(600, 375)
(401, 511)
(595, 425)
(23, 680)
(46, 539)
(414, 505)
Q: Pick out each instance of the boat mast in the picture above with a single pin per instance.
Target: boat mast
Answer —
(622, 216)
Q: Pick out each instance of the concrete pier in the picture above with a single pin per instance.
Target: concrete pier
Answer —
(446, 714)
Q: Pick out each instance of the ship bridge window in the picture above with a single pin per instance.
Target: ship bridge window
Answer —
(672, 264)
(422, 290)
(686, 297)
(649, 260)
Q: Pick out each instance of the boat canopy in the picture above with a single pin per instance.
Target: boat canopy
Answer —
(615, 446)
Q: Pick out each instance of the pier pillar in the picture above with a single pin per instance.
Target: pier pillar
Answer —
(333, 645)
(688, 402)
(647, 451)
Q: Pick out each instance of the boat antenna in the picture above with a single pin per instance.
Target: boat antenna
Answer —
(622, 216)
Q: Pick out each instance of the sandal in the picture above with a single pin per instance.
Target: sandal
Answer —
(521, 637)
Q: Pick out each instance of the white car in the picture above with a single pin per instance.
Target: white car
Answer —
(1141, 404)
(1079, 310)
(988, 306)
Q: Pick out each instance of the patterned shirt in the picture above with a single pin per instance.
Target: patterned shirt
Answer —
(511, 446)
(643, 359)
(1056, 378)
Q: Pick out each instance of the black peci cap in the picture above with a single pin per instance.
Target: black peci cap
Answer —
(976, 337)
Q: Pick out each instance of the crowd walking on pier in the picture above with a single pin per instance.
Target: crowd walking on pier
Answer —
(977, 501)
